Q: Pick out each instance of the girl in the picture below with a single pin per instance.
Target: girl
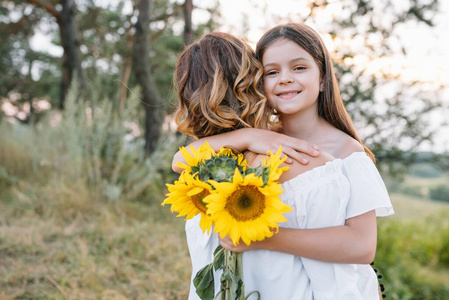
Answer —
(334, 227)
(331, 234)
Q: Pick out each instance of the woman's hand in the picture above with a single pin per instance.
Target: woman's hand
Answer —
(261, 141)
(258, 141)
(227, 244)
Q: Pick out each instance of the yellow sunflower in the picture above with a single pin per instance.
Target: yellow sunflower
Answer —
(186, 198)
(194, 157)
(274, 161)
(239, 158)
(245, 209)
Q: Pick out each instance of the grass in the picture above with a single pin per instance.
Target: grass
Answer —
(410, 248)
(61, 237)
(61, 242)
(419, 209)
(85, 259)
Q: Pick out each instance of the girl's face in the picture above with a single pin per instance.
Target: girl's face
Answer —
(291, 78)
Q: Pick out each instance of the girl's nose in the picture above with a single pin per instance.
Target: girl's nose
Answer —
(285, 78)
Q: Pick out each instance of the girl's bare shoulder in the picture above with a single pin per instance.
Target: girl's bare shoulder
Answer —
(295, 168)
(346, 145)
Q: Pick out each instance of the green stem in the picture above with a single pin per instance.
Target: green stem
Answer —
(227, 266)
(239, 272)
(253, 292)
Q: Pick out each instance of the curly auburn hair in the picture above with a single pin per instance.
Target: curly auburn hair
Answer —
(218, 88)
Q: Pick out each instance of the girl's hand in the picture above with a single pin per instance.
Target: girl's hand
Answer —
(261, 141)
(227, 244)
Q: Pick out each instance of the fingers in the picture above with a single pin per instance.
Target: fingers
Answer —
(294, 155)
(305, 147)
(291, 146)
(227, 244)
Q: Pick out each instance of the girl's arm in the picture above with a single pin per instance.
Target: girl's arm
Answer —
(355, 242)
(258, 141)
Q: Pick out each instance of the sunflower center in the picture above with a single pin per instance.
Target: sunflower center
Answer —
(246, 203)
(198, 201)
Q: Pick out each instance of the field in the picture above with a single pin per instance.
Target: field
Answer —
(84, 249)
(65, 237)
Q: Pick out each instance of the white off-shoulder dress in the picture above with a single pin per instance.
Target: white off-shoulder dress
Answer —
(322, 197)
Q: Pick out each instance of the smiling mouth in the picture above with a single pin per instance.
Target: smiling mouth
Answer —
(289, 93)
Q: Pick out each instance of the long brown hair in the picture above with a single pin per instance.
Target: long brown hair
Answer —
(330, 105)
(217, 80)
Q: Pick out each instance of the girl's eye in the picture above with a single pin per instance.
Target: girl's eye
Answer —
(271, 72)
(299, 68)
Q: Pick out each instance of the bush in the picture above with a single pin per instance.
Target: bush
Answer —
(91, 142)
(411, 256)
(411, 190)
(440, 193)
(426, 170)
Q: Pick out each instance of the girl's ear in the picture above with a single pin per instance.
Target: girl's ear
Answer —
(321, 86)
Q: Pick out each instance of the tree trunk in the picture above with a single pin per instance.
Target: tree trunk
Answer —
(127, 67)
(151, 100)
(188, 31)
(71, 60)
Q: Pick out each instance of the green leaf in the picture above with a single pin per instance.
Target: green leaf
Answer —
(230, 280)
(219, 256)
(204, 283)
(236, 286)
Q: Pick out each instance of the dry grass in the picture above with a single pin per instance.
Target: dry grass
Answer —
(61, 241)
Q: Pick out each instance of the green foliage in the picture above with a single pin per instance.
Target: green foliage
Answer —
(22, 66)
(410, 256)
(92, 141)
(6, 179)
(426, 170)
(411, 190)
(440, 193)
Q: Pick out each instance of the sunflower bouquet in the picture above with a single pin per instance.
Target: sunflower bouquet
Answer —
(233, 199)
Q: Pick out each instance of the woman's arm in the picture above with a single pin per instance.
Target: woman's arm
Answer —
(258, 141)
(355, 242)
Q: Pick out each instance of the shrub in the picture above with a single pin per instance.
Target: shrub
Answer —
(440, 193)
(92, 142)
(426, 170)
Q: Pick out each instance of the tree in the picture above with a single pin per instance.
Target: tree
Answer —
(27, 73)
(71, 61)
(188, 31)
(151, 100)
(104, 42)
